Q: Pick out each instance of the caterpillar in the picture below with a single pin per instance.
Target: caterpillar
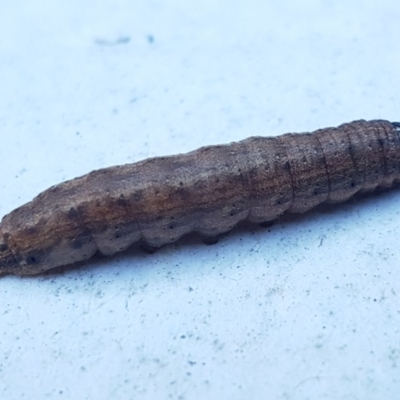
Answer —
(209, 190)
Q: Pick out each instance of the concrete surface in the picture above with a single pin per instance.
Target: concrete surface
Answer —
(306, 309)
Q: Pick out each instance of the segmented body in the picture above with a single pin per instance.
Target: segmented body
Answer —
(208, 191)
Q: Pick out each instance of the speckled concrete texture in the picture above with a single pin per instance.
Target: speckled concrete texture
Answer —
(308, 308)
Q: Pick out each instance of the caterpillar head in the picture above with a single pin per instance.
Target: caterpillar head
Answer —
(7, 261)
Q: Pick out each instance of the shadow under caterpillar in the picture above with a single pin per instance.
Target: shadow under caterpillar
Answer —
(207, 191)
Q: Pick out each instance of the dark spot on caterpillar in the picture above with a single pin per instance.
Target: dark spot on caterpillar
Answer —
(31, 260)
(122, 201)
(32, 231)
(182, 192)
(73, 214)
(137, 195)
(81, 240)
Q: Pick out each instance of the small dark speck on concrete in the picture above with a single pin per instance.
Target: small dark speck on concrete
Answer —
(120, 40)
(123, 40)
(22, 171)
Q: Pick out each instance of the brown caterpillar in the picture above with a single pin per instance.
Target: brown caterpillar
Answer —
(208, 191)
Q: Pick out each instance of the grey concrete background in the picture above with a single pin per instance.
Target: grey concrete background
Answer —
(306, 309)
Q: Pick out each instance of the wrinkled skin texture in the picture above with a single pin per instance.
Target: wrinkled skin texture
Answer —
(209, 191)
